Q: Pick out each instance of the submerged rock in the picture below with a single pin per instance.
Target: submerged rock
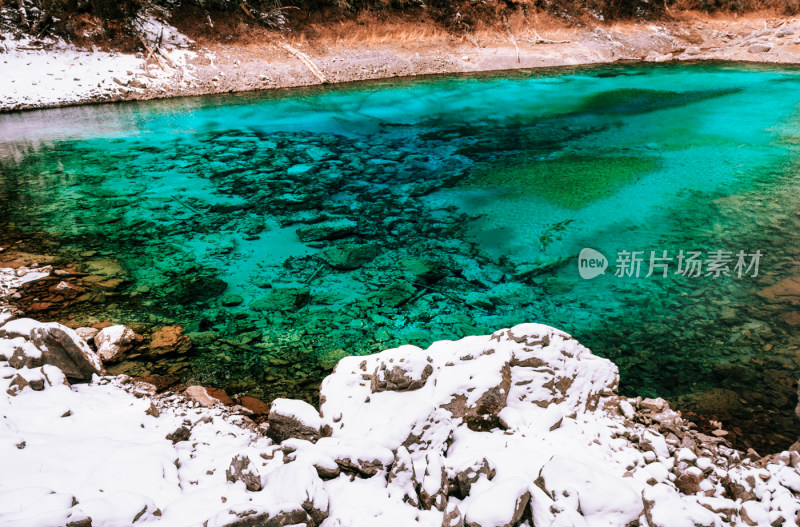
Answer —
(283, 299)
(348, 256)
(787, 290)
(326, 230)
(231, 300)
(169, 340)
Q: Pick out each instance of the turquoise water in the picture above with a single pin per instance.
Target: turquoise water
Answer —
(287, 229)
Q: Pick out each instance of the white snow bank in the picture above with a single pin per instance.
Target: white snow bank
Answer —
(53, 72)
(519, 428)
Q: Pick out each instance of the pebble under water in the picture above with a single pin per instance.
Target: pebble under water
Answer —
(285, 230)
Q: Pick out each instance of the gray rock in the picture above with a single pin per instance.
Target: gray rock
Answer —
(64, 349)
(759, 48)
(242, 470)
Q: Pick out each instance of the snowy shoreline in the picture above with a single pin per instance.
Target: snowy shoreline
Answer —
(51, 73)
(519, 428)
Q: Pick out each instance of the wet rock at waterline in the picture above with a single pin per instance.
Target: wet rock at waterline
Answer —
(112, 342)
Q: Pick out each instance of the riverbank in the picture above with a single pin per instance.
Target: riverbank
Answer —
(184, 59)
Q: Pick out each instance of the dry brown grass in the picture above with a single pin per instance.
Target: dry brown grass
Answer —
(370, 29)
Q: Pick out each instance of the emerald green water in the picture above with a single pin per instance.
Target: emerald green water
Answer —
(355, 218)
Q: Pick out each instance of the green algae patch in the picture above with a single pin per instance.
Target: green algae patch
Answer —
(631, 101)
(570, 181)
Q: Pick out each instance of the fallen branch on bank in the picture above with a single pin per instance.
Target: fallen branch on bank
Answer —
(472, 40)
(540, 40)
(306, 60)
(511, 37)
(155, 52)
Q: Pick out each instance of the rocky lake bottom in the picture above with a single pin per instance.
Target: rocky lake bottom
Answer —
(285, 231)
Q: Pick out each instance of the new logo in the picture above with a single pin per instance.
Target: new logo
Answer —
(591, 263)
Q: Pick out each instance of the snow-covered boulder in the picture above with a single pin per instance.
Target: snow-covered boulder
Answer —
(113, 341)
(20, 327)
(472, 380)
(290, 418)
(399, 370)
(37, 379)
(664, 507)
(601, 496)
(20, 353)
(435, 486)
(502, 505)
(282, 515)
(298, 482)
(391, 452)
(402, 481)
(64, 349)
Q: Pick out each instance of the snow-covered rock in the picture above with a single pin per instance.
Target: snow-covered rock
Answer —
(520, 428)
(502, 505)
(20, 327)
(20, 353)
(64, 349)
(113, 341)
(289, 418)
(242, 470)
